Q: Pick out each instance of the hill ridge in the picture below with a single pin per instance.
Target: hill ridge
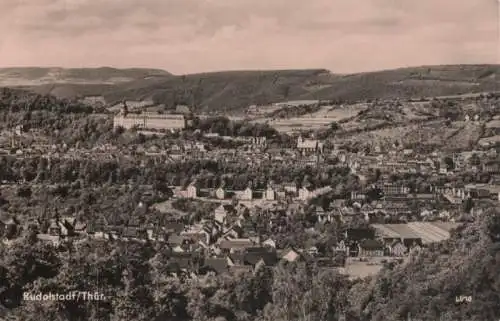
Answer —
(237, 89)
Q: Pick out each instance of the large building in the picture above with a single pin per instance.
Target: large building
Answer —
(149, 121)
(309, 145)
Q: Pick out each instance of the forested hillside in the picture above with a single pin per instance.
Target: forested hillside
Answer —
(427, 287)
(235, 90)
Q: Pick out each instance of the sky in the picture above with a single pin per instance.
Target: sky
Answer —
(189, 36)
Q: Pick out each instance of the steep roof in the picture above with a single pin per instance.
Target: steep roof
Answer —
(308, 143)
(236, 244)
(175, 239)
(371, 245)
(218, 265)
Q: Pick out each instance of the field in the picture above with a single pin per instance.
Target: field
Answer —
(322, 118)
(291, 125)
(133, 105)
(166, 207)
(489, 141)
(493, 124)
(455, 136)
(35, 76)
(358, 269)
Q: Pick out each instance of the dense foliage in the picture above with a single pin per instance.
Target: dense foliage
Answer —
(225, 127)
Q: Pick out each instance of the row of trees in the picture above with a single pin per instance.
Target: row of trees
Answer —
(208, 173)
(15, 100)
(226, 127)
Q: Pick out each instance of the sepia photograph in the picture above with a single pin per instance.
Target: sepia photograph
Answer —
(249, 160)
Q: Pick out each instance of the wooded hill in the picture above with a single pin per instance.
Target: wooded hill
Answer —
(236, 90)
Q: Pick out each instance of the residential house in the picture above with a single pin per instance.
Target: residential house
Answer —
(182, 109)
(220, 193)
(290, 188)
(191, 191)
(342, 156)
(245, 195)
(76, 225)
(396, 208)
(415, 249)
(341, 247)
(367, 209)
(155, 233)
(252, 109)
(215, 265)
(176, 240)
(54, 228)
(2, 228)
(269, 243)
(269, 194)
(259, 141)
(495, 180)
(250, 231)
(235, 259)
(12, 228)
(215, 229)
(358, 196)
(54, 240)
(233, 232)
(183, 263)
(398, 249)
(353, 249)
(458, 192)
(175, 149)
(70, 226)
(371, 248)
(291, 255)
(358, 234)
(354, 165)
(312, 251)
(321, 191)
(407, 152)
(221, 213)
(260, 257)
(328, 263)
(305, 193)
(492, 167)
(197, 233)
(200, 147)
(483, 191)
(173, 227)
(443, 167)
(133, 233)
(394, 189)
(322, 215)
(235, 245)
(182, 248)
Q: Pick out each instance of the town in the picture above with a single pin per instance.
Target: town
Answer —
(231, 201)
(249, 160)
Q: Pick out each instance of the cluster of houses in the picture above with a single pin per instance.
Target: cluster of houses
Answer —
(230, 241)
(271, 193)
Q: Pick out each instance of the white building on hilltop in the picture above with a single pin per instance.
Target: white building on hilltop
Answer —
(148, 120)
